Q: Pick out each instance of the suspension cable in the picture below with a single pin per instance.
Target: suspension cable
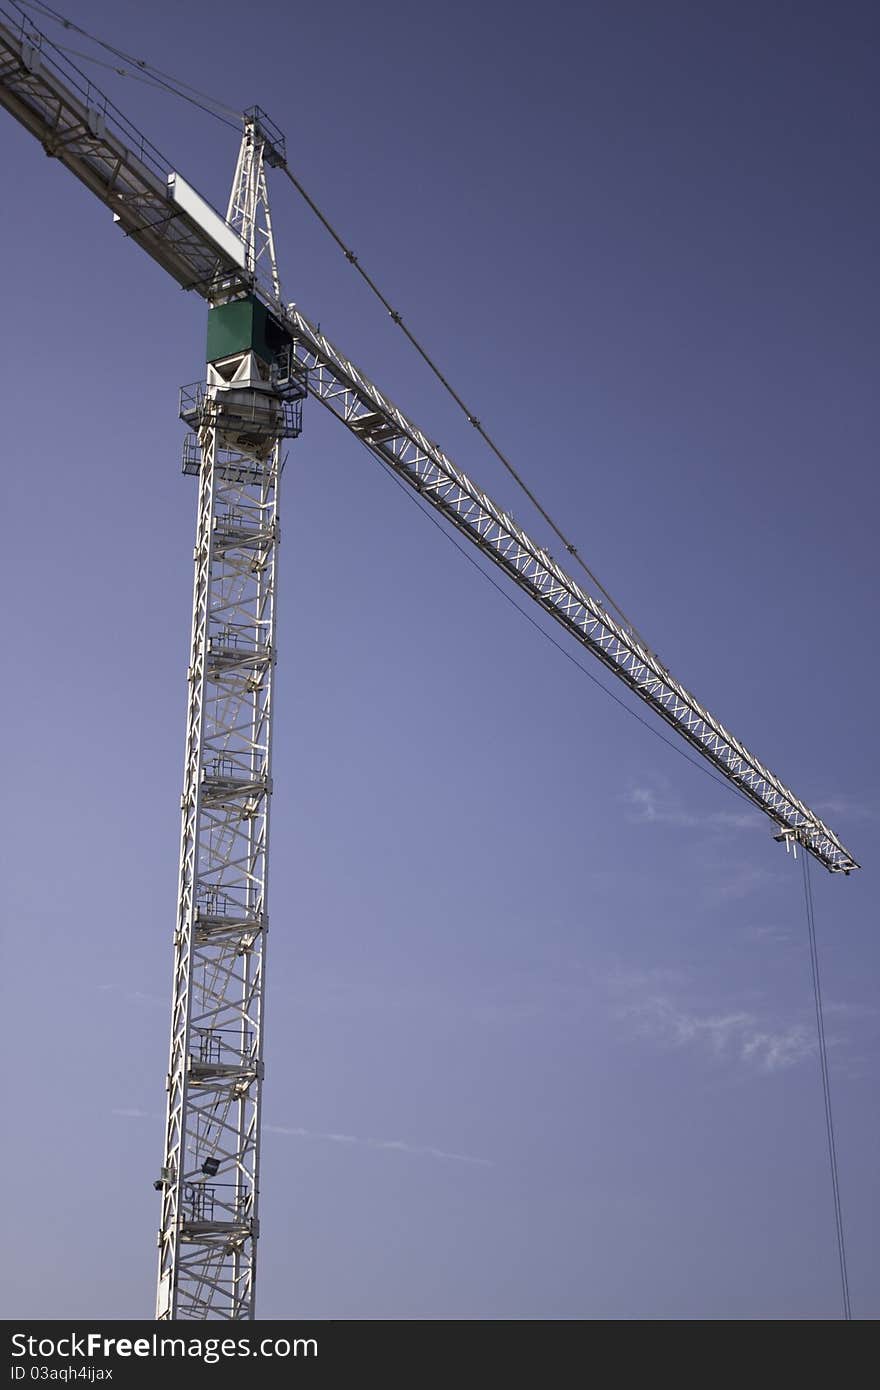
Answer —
(826, 1085)
(175, 85)
(467, 553)
(472, 419)
(147, 79)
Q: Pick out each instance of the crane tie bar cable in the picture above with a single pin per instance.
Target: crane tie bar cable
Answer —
(470, 416)
(155, 76)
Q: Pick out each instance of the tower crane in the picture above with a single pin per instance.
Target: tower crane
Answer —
(264, 357)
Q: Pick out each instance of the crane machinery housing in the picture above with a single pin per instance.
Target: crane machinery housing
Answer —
(263, 358)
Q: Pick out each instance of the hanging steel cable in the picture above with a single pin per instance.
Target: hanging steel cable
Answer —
(472, 419)
(826, 1085)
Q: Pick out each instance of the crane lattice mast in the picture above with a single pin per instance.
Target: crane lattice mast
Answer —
(263, 358)
(249, 404)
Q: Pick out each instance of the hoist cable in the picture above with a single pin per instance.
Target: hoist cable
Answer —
(701, 767)
(826, 1085)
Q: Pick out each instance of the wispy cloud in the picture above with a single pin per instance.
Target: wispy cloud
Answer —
(387, 1145)
(738, 1035)
(134, 996)
(777, 1051)
(648, 805)
(865, 808)
(725, 874)
(654, 804)
(772, 935)
(839, 1008)
(655, 1011)
(297, 1132)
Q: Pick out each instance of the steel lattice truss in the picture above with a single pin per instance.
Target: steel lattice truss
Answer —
(248, 212)
(386, 431)
(78, 125)
(210, 1175)
(209, 1207)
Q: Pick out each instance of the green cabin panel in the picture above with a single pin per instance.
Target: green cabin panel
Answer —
(242, 326)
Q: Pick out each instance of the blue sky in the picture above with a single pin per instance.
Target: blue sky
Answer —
(540, 1038)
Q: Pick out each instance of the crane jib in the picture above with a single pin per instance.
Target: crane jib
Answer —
(79, 126)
